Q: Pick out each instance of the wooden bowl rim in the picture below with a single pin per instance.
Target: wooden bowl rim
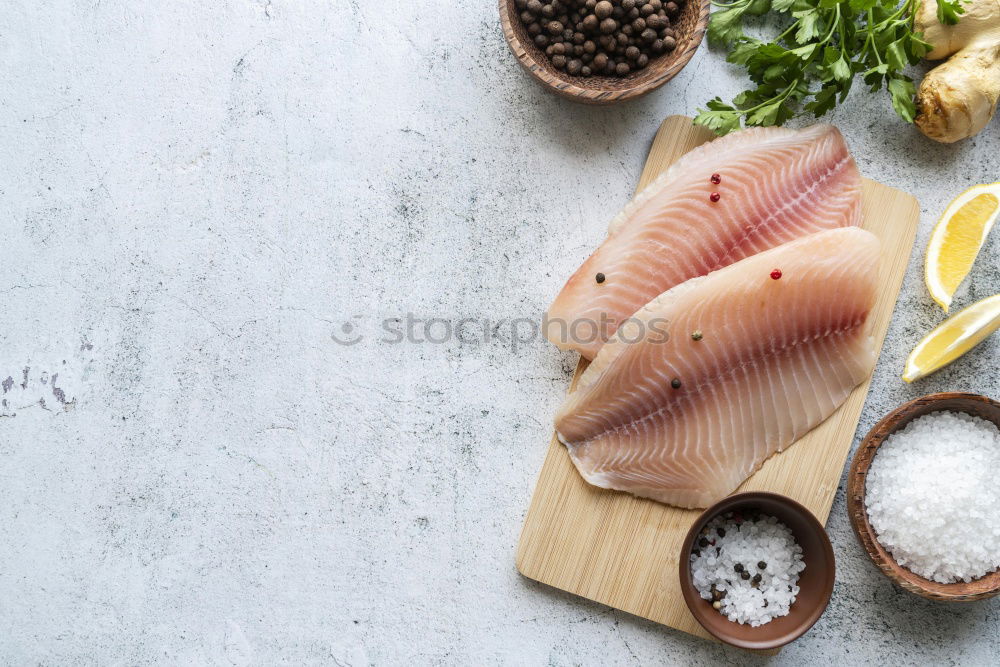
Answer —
(986, 586)
(596, 95)
(822, 597)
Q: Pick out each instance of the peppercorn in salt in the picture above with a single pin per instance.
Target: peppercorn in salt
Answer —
(723, 574)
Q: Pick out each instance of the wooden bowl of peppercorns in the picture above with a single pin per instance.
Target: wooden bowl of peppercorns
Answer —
(603, 51)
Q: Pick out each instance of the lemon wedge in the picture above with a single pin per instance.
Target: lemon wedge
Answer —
(957, 238)
(954, 337)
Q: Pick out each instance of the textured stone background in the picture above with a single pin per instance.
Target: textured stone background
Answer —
(198, 195)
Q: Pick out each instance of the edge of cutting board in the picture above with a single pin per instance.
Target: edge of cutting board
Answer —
(622, 551)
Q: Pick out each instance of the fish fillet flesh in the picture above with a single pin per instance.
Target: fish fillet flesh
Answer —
(665, 416)
(775, 185)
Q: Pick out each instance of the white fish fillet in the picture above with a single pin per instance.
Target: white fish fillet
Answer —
(777, 184)
(777, 357)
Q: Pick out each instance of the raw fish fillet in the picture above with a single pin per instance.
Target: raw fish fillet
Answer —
(776, 358)
(776, 185)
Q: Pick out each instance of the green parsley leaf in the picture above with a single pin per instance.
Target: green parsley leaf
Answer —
(948, 11)
(743, 51)
(824, 100)
(820, 47)
(836, 66)
(902, 91)
(726, 26)
(719, 117)
(809, 25)
(896, 54)
(918, 47)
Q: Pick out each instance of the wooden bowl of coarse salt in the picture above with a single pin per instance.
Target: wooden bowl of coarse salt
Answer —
(923, 496)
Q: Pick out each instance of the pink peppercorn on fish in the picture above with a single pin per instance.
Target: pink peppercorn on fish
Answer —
(740, 364)
(723, 201)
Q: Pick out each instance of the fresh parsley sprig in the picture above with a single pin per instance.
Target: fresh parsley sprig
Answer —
(811, 65)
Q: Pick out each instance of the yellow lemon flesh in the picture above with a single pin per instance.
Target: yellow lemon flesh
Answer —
(957, 238)
(954, 337)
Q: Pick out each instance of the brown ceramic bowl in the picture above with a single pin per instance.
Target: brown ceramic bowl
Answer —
(973, 404)
(689, 27)
(815, 582)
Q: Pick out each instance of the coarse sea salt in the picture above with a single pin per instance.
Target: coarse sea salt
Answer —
(933, 496)
(729, 544)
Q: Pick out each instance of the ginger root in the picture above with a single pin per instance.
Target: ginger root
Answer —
(957, 99)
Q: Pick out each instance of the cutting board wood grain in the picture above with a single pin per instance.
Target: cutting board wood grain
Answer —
(623, 551)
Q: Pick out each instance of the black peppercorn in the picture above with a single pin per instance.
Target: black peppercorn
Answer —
(762, 565)
(600, 276)
(744, 575)
(738, 567)
(675, 383)
(599, 37)
(757, 578)
(703, 543)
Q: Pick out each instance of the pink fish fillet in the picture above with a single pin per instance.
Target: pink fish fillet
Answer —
(776, 185)
(775, 358)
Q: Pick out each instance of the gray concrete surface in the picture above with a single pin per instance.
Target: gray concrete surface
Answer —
(198, 196)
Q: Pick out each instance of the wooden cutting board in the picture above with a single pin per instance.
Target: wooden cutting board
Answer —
(623, 551)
